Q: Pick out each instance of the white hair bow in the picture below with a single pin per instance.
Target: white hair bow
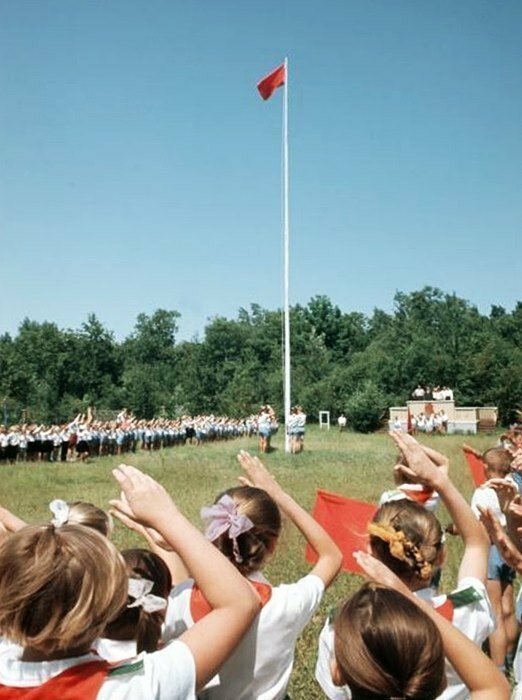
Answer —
(60, 510)
(140, 590)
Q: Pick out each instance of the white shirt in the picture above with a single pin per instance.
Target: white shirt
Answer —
(261, 665)
(169, 673)
(114, 650)
(486, 497)
(475, 620)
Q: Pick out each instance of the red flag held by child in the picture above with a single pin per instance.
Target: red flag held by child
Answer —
(271, 82)
(476, 466)
(345, 520)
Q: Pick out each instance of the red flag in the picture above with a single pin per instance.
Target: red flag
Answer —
(271, 82)
(476, 466)
(345, 520)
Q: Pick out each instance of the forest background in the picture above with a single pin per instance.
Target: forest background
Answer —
(341, 362)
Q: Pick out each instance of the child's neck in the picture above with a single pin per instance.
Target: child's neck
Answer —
(32, 654)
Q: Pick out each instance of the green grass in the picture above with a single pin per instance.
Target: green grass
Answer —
(346, 463)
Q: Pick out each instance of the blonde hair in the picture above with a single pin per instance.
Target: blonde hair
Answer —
(407, 538)
(257, 544)
(89, 515)
(59, 587)
(386, 647)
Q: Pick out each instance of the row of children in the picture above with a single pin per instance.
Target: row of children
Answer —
(80, 621)
(85, 437)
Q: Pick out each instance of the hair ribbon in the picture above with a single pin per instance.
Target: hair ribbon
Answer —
(223, 517)
(60, 511)
(140, 589)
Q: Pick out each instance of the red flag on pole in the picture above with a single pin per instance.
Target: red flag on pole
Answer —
(271, 82)
(345, 520)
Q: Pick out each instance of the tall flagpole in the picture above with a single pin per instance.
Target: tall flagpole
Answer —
(286, 264)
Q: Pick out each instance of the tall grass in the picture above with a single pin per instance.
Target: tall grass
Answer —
(346, 463)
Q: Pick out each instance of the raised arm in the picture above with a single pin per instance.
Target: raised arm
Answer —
(233, 601)
(10, 521)
(477, 671)
(158, 545)
(329, 555)
(424, 463)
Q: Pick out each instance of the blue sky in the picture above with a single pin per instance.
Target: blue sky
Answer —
(139, 169)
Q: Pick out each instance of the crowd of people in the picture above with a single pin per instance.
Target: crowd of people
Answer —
(434, 422)
(86, 437)
(428, 393)
(192, 615)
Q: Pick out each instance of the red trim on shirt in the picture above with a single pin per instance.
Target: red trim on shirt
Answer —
(82, 681)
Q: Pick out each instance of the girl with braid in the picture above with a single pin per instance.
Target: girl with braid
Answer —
(409, 540)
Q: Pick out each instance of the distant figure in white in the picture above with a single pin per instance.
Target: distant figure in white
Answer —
(296, 429)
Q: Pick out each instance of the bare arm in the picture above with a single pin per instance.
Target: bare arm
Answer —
(234, 604)
(478, 672)
(157, 544)
(423, 462)
(9, 521)
(507, 548)
(330, 558)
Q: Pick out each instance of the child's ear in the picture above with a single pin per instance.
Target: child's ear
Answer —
(441, 557)
(337, 676)
(271, 546)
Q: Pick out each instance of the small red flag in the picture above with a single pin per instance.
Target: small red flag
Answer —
(346, 521)
(476, 467)
(271, 82)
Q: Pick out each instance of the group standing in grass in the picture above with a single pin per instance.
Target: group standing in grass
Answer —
(193, 615)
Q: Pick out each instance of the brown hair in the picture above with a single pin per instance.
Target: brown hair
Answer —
(257, 544)
(59, 586)
(498, 461)
(386, 647)
(407, 538)
(136, 623)
(89, 515)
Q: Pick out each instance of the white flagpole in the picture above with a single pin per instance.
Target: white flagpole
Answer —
(286, 237)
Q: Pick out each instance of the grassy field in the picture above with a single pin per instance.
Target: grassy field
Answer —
(346, 463)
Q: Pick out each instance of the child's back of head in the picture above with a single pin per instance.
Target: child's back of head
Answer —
(498, 462)
(244, 524)
(150, 583)
(81, 513)
(59, 586)
(386, 647)
(408, 539)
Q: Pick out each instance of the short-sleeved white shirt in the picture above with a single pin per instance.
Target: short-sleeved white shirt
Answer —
(169, 673)
(475, 620)
(261, 665)
(486, 497)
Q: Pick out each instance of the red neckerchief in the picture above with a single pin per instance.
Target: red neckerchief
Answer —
(419, 495)
(199, 605)
(81, 682)
(446, 609)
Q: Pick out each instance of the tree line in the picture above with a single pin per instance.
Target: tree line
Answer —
(340, 361)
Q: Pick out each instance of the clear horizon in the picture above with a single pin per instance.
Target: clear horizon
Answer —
(140, 169)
